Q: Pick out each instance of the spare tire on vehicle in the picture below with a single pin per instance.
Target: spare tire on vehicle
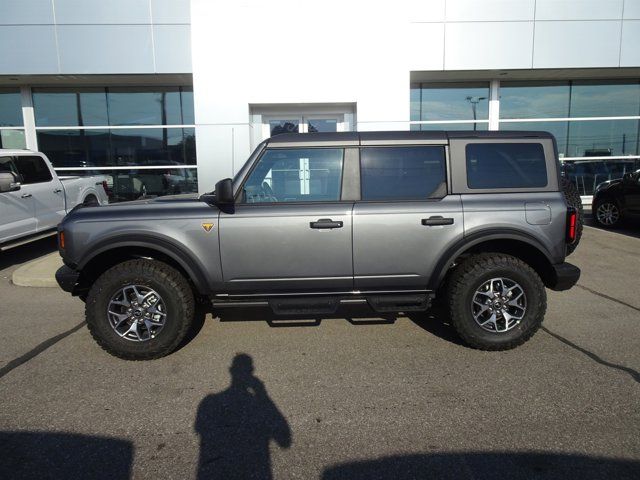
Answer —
(572, 197)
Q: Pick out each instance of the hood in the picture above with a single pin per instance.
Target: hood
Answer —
(606, 185)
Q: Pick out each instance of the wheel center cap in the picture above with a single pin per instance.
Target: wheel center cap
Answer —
(137, 313)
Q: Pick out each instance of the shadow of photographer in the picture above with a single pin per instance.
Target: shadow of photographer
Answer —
(236, 427)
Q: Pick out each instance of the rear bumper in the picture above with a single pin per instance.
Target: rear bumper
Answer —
(67, 278)
(565, 276)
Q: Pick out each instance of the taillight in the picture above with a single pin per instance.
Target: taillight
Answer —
(572, 223)
(61, 240)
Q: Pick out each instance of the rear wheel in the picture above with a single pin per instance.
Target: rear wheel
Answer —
(572, 197)
(496, 301)
(140, 309)
(90, 201)
(607, 213)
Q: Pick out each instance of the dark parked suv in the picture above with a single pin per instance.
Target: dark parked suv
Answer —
(616, 200)
(388, 219)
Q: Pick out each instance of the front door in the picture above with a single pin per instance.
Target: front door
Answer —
(405, 220)
(289, 230)
(46, 191)
(17, 211)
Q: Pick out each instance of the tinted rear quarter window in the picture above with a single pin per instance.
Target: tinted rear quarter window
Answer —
(506, 165)
(33, 170)
(402, 173)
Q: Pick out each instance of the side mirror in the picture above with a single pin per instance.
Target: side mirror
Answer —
(8, 182)
(222, 195)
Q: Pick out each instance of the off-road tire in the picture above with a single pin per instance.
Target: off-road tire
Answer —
(572, 197)
(170, 284)
(470, 275)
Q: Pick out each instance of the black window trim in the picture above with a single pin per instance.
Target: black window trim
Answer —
(447, 179)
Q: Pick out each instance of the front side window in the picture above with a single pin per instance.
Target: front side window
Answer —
(402, 173)
(296, 175)
(506, 165)
(33, 170)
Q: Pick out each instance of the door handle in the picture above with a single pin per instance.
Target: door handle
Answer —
(326, 223)
(26, 195)
(57, 190)
(437, 220)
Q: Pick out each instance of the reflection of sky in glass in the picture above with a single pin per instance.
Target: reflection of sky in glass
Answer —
(620, 137)
(612, 100)
(10, 109)
(451, 102)
(450, 126)
(557, 129)
(534, 100)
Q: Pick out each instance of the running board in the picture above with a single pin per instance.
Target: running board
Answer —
(25, 240)
(399, 303)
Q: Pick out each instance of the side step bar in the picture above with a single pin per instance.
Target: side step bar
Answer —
(329, 304)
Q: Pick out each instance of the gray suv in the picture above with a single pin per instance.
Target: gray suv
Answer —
(312, 221)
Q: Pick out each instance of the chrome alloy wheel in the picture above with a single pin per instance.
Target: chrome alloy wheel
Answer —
(608, 213)
(136, 313)
(499, 305)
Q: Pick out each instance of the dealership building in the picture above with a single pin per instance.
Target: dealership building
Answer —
(168, 96)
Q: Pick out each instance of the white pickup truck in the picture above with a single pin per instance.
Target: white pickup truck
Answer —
(33, 199)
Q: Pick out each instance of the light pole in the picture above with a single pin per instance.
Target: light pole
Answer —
(474, 102)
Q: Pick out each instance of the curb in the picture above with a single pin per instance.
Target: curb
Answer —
(38, 273)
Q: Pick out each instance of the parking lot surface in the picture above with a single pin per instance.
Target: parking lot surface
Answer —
(340, 398)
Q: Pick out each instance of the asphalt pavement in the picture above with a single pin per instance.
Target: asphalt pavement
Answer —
(351, 397)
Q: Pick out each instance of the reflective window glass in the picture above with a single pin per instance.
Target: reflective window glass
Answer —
(144, 106)
(186, 97)
(12, 139)
(76, 148)
(402, 173)
(612, 99)
(62, 107)
(506, 165)
(276, 127)
(534, 100)
(323, 125)
(296, 175)
(478, 126)
(589, 138)
(148, 146)
(588, 174)
(10, 108)
(557, 129)
(133, 184)
(452, 101)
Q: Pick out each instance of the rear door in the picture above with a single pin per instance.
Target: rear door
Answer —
(290, 230)
(405, 219)
(46, 190)
(17, 211)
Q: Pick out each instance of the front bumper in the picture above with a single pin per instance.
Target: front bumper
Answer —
(67, 278)
(565, 276)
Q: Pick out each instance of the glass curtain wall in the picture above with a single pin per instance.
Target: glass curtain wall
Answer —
(11, 123)
(142, 138)
(596, 123)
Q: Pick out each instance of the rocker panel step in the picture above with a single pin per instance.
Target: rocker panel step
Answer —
(305, 305)
(399, 303)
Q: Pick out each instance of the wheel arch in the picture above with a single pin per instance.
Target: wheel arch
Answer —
(108, 253)
(517, 244)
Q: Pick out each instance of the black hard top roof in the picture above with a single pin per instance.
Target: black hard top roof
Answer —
(380, 137)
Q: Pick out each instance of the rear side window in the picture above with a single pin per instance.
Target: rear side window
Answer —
(402, 173)
(33, 170)
(506, 165)
(7, 165)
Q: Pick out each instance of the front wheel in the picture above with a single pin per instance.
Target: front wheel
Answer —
(140, 309)
(496, 301)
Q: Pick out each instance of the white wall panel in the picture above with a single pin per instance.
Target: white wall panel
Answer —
(578, 9)
(26, 12)
(426, 46)
(488, 45)
(631, 10)
(489, 10)
(105, 49)
(576, 44)
(26, 49)
(172, 48)
(630, 50)
(425, 11)
(102, 12)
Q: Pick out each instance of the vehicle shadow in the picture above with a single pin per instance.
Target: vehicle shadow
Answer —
(28, 252)
(630, 227)
(486, 465)
(236, 427)
(37, 455)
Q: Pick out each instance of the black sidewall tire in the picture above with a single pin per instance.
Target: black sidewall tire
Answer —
(476, 336)
(166, 282)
